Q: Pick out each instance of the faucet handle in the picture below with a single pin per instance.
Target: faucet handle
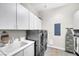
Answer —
(12, 40)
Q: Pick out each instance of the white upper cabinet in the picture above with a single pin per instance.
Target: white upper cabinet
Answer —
(38, 23)
(22, 17)
(35, 22)
(16, 16)
(32, 21)
(7, 15)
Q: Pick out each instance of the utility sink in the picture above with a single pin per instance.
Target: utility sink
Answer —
(14, 48)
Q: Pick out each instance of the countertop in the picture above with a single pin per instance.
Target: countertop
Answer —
(4, 49)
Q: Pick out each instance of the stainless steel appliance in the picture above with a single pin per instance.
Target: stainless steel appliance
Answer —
(69, 41)
(76, 41)
(40, 38)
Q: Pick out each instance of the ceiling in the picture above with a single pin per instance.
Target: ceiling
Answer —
(42, 6)
(37, 7)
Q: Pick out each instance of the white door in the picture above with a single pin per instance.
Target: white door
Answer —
(7, 15)
(22, 17)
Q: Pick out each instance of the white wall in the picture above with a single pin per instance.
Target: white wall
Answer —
(63, 15)
(76, 20)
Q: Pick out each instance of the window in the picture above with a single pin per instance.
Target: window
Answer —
(57, 29)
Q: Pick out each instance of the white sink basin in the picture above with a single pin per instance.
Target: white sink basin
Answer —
(14, 48)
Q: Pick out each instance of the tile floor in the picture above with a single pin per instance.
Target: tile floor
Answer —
(57, 52)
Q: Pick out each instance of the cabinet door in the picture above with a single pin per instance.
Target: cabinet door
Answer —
(7, 15)
(38, 23)
(32, 21)
(35, 23)
(29, 51)
(22, 17)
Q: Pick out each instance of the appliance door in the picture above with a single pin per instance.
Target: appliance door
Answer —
(76, 40)
(78, 44)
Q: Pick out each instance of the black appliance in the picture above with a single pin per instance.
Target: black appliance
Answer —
(40, 38)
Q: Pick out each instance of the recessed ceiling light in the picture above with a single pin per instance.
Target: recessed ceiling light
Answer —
(45, 5)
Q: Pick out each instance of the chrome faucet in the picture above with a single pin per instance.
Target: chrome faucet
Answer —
(12, 40)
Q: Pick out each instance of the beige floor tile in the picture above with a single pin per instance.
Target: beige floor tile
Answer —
(57, 52)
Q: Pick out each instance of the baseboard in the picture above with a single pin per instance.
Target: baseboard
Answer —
(56, 47)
